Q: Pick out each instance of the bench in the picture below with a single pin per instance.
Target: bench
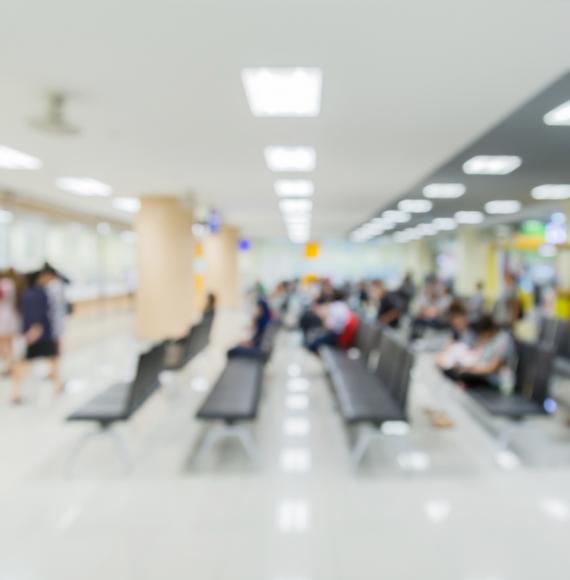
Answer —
(119, 403)
(233, 403)
(180, 352)
(531, 393)
(371, 394)
(555, 332)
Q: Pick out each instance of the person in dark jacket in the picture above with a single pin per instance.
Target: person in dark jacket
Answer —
(261, 321)
(37, 328)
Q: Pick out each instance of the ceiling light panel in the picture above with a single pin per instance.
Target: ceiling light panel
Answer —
(283, 92)
(294, 188)
(415, 205)
(85, 186)
(295, 205)
(559, 116)
(551, 191)
(492, 164)
(469, 217)
(444, 190)
(290, 159)
(503, 206)
(128, 204)
(14, 159)
(396, 216)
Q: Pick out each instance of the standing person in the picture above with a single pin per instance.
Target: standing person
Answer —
(55, 289)
(407, 291)
(508, 306)
(9, 319)
(476, 303)
(38, 333)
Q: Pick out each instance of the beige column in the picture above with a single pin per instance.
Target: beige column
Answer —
(164, 305)
(221, 271)
(471, 260)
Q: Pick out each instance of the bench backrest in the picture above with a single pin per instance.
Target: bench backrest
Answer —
(268, 338)
(367, 337)
(533, 371)
(202, 337)
(395, 367)
(556, 333)
(146, 381)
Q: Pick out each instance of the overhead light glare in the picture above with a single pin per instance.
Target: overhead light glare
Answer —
(444, 190)
(469, 217)
(294, 188)
(295, 205)
(503, 206)
(290, 159)
(559, 116)
(415, 205)
(551, 191)
(492, 164)
(396, 216)
(14, 159)
(85, 186)
(128, 204)
(283, 92)
(444, 224)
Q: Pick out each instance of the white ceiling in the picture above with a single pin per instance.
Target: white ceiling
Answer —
(160, 100)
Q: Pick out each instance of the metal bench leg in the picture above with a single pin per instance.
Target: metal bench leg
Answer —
(121, 447)
(78, 447)
(363, 440)
(245, 436)
(208, 440)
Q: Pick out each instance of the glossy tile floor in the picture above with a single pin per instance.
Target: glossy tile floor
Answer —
(302, 514)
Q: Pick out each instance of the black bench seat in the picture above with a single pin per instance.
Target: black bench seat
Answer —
(367, 397)
(236, 394)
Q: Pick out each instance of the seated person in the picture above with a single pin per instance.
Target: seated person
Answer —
(334, 317)
(477, 362)
(261, 319)
(390, 305)
(432, 309)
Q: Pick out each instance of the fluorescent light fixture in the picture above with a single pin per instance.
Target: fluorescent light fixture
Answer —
(444, 224)
(128, 204)
(294, 188)
(469, 217)
(282, 158)
(426, 229)
(295, 460)
(415, 205)
(492, 164)
(396, 216)
(551, 191)
(283, 92)
(83, 186)
(14, 159)
(503, 206)
(444, 190)
(559, 116)
(6, 216)
(295, 205)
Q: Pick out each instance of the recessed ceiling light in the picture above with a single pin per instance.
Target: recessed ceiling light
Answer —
(294, 188)
(415, 205)
(503, 206)
(83, 186)
(492, 164)
(128, 204)
(559, 116)
(444, 190)
(282, 158)
(469, 217)
(6, 216)
(551, 191)
(444, 224)
(14, 159)
(295, 205)
(283, 92)
(397, 217)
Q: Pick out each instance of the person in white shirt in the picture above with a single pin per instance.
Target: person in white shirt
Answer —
(335, 316)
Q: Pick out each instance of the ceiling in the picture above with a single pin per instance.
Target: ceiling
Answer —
(544, 150)
(406, 84)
